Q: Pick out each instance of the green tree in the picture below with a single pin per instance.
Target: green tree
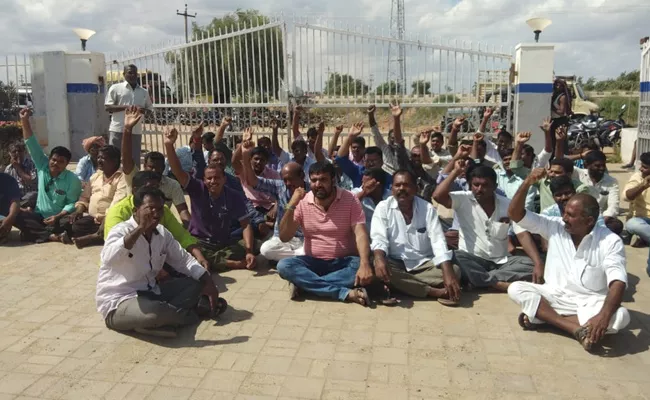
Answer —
(344, 84)
(245, 67)
(8, 95)
(389, 88)
(421, 87)
(626, 81)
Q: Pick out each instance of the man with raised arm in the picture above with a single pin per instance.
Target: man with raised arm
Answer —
(483, 221)
(373, 158)
(58, 190)
(585, 277)
(312, 135)
(293, 178)
(121, 96)
(214, 208)
(336, 263)
(128, 296)
(409, 247)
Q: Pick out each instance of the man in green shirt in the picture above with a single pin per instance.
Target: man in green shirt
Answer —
(58, 190)
(123, 210)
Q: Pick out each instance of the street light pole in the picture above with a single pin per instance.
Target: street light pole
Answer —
(186, 92)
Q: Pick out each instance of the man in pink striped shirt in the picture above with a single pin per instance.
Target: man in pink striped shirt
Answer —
(337, 250)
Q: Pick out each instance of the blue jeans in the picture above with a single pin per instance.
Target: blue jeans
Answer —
(640, 226)
(324, 278)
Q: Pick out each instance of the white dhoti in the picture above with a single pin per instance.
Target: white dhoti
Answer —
(275, 250)
(528, 295)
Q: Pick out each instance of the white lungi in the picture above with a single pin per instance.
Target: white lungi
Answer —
(275, 250)
(528, 295)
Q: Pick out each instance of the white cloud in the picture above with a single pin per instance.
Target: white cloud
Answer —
(594, 37)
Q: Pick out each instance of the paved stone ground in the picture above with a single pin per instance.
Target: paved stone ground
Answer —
(54, 345)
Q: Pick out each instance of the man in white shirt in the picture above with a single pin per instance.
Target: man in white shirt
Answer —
(603, 187)
(482, 217)
(128, 296)
(408, 242)
(119, 97)
(585, 277)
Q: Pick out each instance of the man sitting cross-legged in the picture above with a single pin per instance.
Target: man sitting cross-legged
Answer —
(409, 246)
(124, 209)
(58, 190)
(483, 221)
(585, 275)
(637, 193)
(293, 178)
(337, 250)
(214, 207)
(128, 296)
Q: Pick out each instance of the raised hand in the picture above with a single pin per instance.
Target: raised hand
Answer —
(425, 136)
(369, 186)
(248, 134)
(321, 127)
(488, 112)
(356, 129)
(227, 120)
(338, 129)
(460, 166)
(297, 196)
(546, 125)
(537, 174)
(458, 122)
(523, 137)
(478, 137)
(132, 116)
(372, 109)
(560, 133)
(25, 113)
(463, 151)
(247, 146)
(437, 129)
(147, 220)
(274, 124)
(198, 131)
(171, 134)
(396, 110)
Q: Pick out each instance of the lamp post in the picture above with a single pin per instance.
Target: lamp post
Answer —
(84, 35)
(538, 25)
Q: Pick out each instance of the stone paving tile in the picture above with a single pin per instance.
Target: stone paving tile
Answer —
(54, 345)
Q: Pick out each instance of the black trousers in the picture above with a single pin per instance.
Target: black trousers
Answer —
(33, 229)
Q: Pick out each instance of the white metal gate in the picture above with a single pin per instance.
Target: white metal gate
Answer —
(237, 70)
(643, 142)
(336, 67)
(15, 86)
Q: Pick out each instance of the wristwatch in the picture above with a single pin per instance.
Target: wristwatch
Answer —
(290, 208)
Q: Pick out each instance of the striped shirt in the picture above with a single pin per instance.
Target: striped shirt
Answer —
(329, 234)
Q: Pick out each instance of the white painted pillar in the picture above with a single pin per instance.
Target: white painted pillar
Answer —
(533, 89)
(68, 97)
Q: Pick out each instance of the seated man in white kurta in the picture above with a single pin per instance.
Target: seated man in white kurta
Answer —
(585, 276)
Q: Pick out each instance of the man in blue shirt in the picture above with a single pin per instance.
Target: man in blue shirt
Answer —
(58, 190)
(372, 158)
(9, 204)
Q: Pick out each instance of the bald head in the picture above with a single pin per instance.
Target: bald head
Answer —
(589, 205)
(293, 169)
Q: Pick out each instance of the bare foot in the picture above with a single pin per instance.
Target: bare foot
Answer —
(359, 296)
(230, 264)
(437, 292)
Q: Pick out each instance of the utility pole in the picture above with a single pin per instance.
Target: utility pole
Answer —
(186, 91)
(397, 52)
(185, 15)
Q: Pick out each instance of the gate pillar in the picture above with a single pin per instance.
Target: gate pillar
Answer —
(533, 89)
(68, 94)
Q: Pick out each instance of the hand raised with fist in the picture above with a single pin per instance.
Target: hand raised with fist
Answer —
(171, 134)
(523, 137)
(297, 196)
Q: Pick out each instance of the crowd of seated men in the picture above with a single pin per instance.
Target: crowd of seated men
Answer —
(351, 223)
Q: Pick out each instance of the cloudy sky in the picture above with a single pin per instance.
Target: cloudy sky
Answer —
(594, 38)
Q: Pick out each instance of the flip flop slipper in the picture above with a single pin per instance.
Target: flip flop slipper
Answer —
(220, 307)
(525, 323)
(581, 335)
(388, 300)
(448, 302)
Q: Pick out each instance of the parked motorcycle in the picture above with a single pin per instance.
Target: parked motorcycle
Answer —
(609, 131)
(582, 133)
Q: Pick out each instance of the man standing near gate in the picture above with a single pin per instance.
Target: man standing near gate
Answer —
(119, 97)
